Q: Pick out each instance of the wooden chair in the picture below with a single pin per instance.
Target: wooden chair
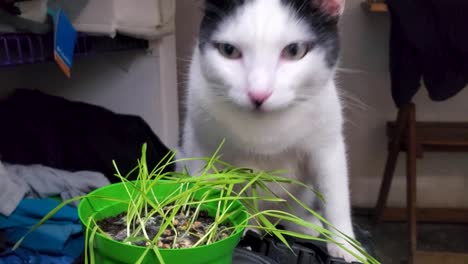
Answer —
(375, 6)
(415, 138)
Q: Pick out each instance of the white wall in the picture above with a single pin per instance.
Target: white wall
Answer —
(188, 16)
(443, 178)
(142, 83)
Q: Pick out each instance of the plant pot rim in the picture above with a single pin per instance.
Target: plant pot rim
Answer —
(115, 203)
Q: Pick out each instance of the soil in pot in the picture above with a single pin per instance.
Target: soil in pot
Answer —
(185, 235)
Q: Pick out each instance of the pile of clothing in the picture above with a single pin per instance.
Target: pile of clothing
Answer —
(52, 150)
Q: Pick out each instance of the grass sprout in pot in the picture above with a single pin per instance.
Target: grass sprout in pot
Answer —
(172, 217)
(194, 232)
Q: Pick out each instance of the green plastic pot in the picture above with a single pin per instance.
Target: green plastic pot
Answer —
(101, 204)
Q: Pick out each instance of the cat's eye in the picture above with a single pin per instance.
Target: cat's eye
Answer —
(229, 51)
(296, 51)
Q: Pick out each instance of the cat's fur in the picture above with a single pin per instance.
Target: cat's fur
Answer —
(299, 126)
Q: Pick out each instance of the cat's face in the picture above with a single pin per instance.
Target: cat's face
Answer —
(267, 55)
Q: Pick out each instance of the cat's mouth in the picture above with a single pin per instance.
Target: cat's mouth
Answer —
(263, 109)
(245, 104)
(259, 110)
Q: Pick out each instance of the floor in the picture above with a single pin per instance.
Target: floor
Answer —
(390, 239)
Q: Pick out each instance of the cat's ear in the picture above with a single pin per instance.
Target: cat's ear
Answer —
(214, 2)
(222, 6)
(223, 3)
(334, 8)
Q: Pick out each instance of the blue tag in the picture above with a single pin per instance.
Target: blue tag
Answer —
(64, 42)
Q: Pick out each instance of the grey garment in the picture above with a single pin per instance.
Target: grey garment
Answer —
(36, 181)
(11, 192)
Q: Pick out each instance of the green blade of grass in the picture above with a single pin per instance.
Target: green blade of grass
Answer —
(91, 245)
(143, 256)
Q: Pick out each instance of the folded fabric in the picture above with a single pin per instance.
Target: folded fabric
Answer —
(149, 19)
(9, 6)
(89, 16)
(29, 16)
(10, 23)
(21, 256)
(62, 234)
(33, 10)
(146, 19)
(37, 181)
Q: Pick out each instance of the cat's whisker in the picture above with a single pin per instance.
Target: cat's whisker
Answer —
(303, 5)
(189, 60)
(348, 98)
(349, 121)
(185, 74)
(351, 106)
(354, 105)
(350, 70)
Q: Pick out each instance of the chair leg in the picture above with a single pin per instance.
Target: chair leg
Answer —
(391, 162)
(411, 159)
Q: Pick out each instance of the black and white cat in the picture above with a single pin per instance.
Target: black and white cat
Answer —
(262, 77)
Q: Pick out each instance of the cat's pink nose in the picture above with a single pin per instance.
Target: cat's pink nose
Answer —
(258, 98)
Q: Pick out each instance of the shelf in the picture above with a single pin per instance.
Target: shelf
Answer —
(375, 7)
(423, 257)
(26, 48)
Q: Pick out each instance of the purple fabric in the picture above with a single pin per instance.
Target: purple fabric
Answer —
(429, 42)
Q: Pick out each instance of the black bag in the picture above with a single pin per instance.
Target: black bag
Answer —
(43, 129)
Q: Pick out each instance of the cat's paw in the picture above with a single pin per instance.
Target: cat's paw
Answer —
(337, 252)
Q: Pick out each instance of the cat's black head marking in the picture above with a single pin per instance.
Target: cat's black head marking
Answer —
(215, 12)
(323, 25)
